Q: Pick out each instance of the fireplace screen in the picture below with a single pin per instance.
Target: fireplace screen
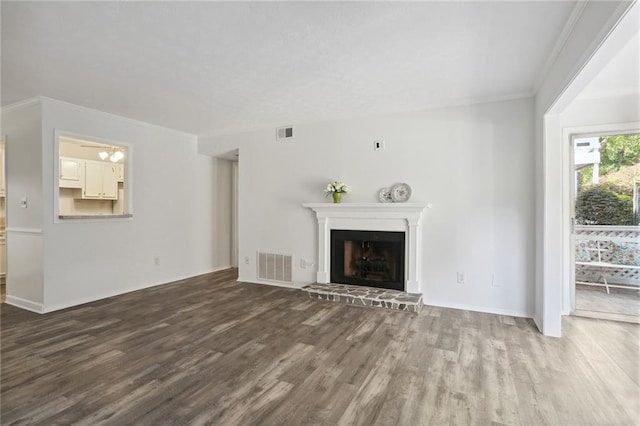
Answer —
(368, 258)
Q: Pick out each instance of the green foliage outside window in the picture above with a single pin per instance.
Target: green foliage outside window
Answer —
(610, 202)
(600, 205)
(616, 152)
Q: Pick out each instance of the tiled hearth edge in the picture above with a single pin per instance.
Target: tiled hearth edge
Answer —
(366, 296)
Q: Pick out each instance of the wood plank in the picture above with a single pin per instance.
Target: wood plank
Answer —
(210, 350)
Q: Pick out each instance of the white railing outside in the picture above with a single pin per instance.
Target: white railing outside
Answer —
(608, 237)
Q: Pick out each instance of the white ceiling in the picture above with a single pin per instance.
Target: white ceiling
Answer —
(215, 68)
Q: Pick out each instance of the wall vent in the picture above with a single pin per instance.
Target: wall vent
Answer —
(284, 133)
(275, 267)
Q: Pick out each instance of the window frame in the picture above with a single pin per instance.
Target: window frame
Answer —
(128, 179)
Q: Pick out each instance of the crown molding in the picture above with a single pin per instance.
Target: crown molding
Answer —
(575, 15)
(22, 104)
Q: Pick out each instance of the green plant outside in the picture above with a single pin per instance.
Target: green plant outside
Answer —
(602, 206)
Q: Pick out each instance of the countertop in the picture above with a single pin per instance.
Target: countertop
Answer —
(97, 216)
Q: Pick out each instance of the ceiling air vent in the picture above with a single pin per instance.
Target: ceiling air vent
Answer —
(284, 133)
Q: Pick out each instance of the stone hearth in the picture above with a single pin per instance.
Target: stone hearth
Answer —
(366, 296)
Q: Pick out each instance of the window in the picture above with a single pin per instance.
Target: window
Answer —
(92, 179)
(607, 170)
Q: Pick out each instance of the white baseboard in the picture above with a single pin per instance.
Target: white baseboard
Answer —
(484, 309)
(538, 323)
(273, 283)
(28, 305)
(81, 301)
(221, 268)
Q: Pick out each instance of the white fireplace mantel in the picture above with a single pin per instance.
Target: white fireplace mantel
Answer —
(402, 217)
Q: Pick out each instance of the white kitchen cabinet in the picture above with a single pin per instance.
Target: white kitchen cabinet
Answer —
(120, 172)
(71, 172)
(100, 181)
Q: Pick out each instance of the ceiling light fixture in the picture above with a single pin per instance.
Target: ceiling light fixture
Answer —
(114, 155)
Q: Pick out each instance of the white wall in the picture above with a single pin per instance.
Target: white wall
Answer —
(578, 61)
(473, 163)
(173, 212)
(25, 272)
(21, 126)
(601, 111)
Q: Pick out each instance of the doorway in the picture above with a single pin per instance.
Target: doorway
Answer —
(3, 235)
(227, 225)
(234, 212)
(606, 233)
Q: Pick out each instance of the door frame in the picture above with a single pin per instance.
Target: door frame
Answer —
(568, 204)
(3, 172)
(234, 213)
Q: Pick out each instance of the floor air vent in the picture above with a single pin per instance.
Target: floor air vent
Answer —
(275, 267)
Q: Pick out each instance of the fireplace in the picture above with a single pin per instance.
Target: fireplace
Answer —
(405, 218)
(368, 258)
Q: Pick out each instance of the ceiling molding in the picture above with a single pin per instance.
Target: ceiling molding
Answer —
(435, 105)
(462, 102)
(479, 100)
(619, 28)
(22, 104)
(575, 15)
(116, 116)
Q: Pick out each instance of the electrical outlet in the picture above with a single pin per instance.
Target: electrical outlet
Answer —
(246, 260)
(303, 264)
(156, 261)
(461, 277)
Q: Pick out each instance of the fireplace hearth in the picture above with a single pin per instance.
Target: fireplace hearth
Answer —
(368, 258)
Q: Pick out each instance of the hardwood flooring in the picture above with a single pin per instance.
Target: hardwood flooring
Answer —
(209, 350)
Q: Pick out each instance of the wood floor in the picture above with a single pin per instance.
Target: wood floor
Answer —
(209, 350)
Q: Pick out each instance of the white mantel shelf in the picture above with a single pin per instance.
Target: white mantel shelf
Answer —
(373, 209)
(403, 217)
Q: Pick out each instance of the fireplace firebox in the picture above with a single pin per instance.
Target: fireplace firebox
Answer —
(368, 258)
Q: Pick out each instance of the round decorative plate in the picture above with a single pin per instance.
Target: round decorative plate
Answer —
(400, 192)
(384, 195)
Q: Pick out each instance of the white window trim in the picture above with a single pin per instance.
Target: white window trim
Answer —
(128, 171)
